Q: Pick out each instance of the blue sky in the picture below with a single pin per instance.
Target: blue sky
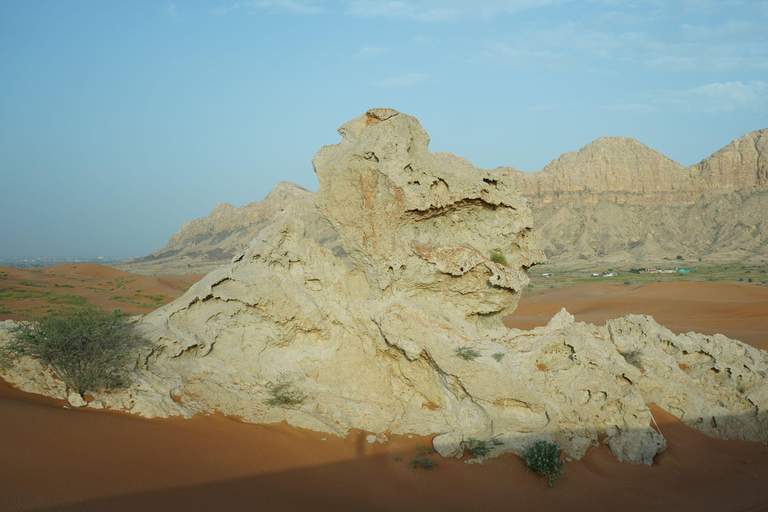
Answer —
(121, 120)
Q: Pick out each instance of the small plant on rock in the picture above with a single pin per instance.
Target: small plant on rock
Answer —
(284, 394)
(499, 258)
(467, 353)
(480, 448)
(542, 457)
(633, 358)
(498, 356)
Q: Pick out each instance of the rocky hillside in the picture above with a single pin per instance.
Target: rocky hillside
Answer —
(618, 201)
(204, 244)
(615, 201)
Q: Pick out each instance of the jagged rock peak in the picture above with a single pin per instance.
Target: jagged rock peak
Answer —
(742, 163)
(403, 213)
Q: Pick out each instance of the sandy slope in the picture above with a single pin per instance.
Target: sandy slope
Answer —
(23, 291)
(54, 458)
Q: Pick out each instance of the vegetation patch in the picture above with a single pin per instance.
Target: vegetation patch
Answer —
(467, 353)
(126, 300)
(498, 356)
(499, 258)
(633, 358)
(423, 462)
(156, 298)
(90, 350)
(480, 448)
(422, 459)
(284, 394)
(542, 457)
(27, 283)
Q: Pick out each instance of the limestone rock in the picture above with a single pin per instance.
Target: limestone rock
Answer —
(76, 400)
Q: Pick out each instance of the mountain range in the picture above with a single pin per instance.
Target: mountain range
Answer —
(614, 201)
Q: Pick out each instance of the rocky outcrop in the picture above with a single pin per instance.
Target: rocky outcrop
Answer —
(406, 335)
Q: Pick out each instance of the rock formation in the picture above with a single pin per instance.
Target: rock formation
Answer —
(406, 335)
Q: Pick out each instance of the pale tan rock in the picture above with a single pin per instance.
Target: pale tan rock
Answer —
(76, 400)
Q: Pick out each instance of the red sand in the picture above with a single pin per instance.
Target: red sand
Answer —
(54, 458)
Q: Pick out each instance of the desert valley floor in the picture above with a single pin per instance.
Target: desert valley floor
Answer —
(56, 458)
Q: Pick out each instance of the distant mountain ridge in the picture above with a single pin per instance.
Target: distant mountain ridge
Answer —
(203, 244)
(619, 201)
(615, 200)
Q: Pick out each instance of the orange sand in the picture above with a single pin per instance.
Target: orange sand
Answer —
(55, 458)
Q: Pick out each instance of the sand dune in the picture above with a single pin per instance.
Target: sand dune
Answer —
(55, 458)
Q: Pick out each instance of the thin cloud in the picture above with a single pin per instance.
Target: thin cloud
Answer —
(172, 11)
(301, 7)
(402, 81)
(370, 51)
(440, 11)
(717, 98)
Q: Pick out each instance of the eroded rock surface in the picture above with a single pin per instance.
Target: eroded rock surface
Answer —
(406, 336)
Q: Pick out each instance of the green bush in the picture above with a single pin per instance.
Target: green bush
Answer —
(499, 258)
(498, 356)
(542, 457)
(423, 462)
(90, 350)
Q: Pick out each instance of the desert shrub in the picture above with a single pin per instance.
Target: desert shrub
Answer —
(284, 394)
(499, 258)
(498, 356)
(423, 462)
(480, 448)
(633, 358)
(425, 450)
(542, 457)
(749, 280)
(90, 350)
(467, 353)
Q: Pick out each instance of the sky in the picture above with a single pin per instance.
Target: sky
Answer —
(119, 121)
